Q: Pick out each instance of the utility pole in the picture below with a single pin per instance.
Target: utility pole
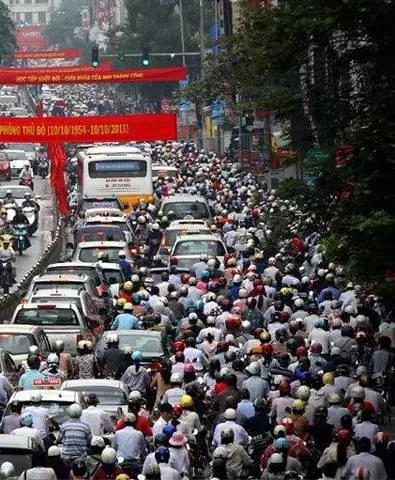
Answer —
(184, 64)
(202, 65)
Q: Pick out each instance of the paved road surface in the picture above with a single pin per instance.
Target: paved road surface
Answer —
(47, 223)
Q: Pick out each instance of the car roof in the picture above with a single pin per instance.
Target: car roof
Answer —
(167, 269)
(67, 292)
(47, 395)
(38, 306)
(15, 328)
(60, 277)
(136, 333)
(198, 236)
(105, 243)
(104, 220)
(179, 197)
(16, 441)
(103, 209)
(185, 222)
(92, 225)
(76, 264)
(94, 382)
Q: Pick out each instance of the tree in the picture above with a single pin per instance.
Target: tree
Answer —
(7, 35)
(62, 29)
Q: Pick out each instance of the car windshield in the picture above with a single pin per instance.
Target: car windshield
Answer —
(146, 344)
(113, 276)
(106, 395)
(16, 154)
(91, 254)
(58, 285)
(16, 343)
(57, 299)
(98, 233)
(16, 192)
(212, 248)
(47, 317)
(21, 459)
(182, 209)
(80, 270)
(58, 411)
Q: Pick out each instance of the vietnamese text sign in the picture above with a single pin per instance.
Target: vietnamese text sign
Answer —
(20, 76)
(114, 128)
(48, 54)
(77, 69)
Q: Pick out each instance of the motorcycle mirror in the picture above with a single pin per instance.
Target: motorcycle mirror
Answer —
(38, 197)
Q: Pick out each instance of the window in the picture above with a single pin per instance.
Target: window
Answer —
(46, 317)
(114, 169)
(42, 18)
(41, 2)
(29, 18)
(27, 2)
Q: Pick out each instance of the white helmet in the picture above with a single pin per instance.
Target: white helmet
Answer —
(53, 451)
(112, 338)
(109, 455)
(98, 442)
(298, 303)
(52, 358)
(121, 253)
(253, 368)
(81, 344)
(176, 377)
(7, 470)
(155, 226)
(303, 392)
(141, 219)
(237, 278)
(75, 410)
(271, 261)
(135, 396)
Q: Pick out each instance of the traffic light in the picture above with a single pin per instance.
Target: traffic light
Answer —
(95, 56)
(145, 60)
(121, 57)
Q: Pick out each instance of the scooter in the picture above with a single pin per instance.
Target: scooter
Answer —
(31, 215)
(27, 182)
(43, 169)
(20, 233)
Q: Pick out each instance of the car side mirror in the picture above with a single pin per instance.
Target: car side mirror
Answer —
(125, 206)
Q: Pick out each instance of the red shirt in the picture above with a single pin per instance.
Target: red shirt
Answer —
(297, 245)
(142, 425)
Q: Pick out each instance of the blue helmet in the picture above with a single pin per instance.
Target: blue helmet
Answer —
(205, 274)
(199, 305)
(168, 430)
(162, 455)
(137, 355)
(26, 419)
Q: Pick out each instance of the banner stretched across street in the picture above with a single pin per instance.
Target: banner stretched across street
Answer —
(28, 76)
(49, 54)
(114, 128)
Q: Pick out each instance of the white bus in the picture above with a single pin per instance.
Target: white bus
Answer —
(115, 171)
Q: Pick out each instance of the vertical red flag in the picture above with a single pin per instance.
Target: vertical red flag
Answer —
(58, 163)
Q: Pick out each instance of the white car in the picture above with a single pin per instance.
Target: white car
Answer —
(18, 159)
(181, 227)
(90, 251)
(112, 394)
(188, 249)
(104, 212)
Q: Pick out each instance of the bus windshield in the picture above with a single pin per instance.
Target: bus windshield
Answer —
(115, 168)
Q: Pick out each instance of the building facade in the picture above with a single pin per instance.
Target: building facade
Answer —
(31, 12)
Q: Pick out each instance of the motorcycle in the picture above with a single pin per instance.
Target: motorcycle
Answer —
(43, 168)
(20, 234)
(31, 215)
(6, 279)
(27, 182)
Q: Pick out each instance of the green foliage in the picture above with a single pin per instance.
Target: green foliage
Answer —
(290, 189)
(7, 34)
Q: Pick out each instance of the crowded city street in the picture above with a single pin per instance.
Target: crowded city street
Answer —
(196, 280)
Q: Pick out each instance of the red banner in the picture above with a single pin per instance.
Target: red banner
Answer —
(31, 37)
(49, 54)
(27, 76)
(114, 128)
(104, 66)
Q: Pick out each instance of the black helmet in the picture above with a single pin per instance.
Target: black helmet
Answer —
(33, 362)
(321, 411)
(230, 356)
(260, 405)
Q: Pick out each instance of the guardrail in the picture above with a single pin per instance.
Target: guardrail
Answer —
(9, 302)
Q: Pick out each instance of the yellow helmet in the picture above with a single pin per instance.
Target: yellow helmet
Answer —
(328, 377)
(298, 405)
(128, 286)
(186, 401)
(121, 302)
(122, 476)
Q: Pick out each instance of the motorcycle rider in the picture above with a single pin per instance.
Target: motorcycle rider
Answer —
(21, 219)
(26, 175)
(7, 256)
(9, 199)
(3, 219)
(29, 202)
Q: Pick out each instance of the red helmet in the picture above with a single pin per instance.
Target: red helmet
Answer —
(284, 316)
(267, 349)
(316, 348)
(173, 261)
(368, 407)
(301, 352)
(156, 366)
(178, 346)
(233, 322)
(344, 436)
(177, 409)
(185, 278)
(284, 387)
(222, 347)
(188, 368)
(288, 424)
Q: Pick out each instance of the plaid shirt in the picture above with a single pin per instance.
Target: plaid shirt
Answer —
(75, 436)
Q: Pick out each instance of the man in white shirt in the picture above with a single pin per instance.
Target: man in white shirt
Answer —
(27, 430)
(162, 456)
(96, 418)
(241, 436)
(40, 415)
(166, 413)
